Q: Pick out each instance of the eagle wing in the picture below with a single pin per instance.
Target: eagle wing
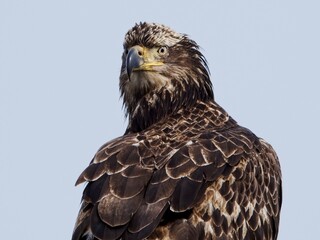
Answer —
(225, 177)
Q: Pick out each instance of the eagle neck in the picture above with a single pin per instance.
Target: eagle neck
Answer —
(162, 103)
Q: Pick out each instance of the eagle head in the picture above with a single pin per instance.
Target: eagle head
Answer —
(162, 71)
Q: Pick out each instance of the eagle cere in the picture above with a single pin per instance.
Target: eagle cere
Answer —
(184, 169)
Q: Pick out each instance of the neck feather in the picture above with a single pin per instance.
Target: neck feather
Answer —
(160, 103)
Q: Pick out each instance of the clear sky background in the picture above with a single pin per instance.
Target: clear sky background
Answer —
(59, 99)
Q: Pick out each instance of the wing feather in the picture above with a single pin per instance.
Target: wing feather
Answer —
(102, 230)
(185, 194)
(116, 211)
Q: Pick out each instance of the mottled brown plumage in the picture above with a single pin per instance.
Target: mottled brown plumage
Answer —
(184, 169)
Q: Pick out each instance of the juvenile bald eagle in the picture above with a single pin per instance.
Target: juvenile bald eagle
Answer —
(184, 169)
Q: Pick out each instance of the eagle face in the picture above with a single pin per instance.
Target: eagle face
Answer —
(155, 60)
(146, 68)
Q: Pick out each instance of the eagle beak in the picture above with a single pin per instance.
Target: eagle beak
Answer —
(140, 59)
(134, 59)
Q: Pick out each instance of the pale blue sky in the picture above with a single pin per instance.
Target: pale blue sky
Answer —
(59, 99)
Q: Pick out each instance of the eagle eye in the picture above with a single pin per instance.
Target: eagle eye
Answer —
(163, 50)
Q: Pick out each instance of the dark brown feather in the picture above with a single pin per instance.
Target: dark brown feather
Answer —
(103, 231)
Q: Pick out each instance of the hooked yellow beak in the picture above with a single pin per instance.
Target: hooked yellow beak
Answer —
(141, 59)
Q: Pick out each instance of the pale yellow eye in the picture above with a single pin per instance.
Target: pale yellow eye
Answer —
(162, 50)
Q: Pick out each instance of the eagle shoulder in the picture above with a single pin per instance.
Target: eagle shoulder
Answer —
(136, 181)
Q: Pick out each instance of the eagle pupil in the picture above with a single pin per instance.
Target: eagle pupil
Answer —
(162, 50)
